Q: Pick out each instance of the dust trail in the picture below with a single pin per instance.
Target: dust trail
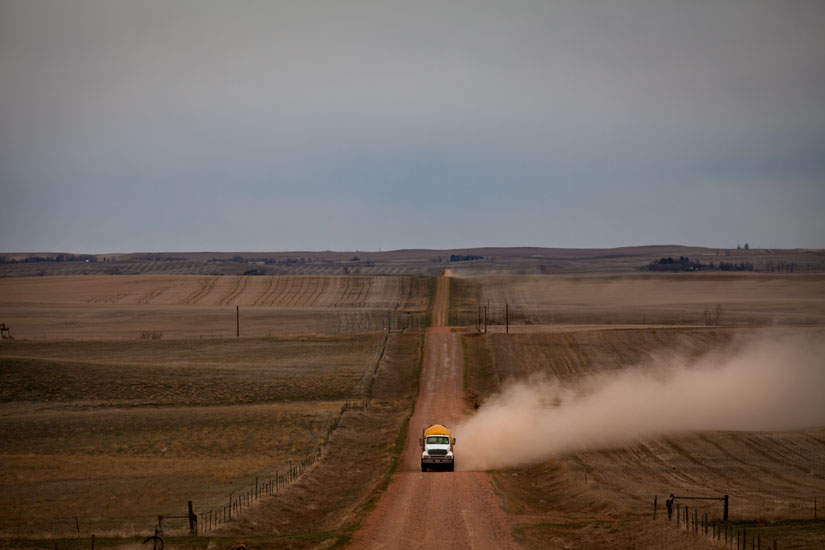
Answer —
(766, 385)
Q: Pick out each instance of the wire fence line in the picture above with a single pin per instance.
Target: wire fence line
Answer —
(238, 502)
(719, 529)
(199, 520)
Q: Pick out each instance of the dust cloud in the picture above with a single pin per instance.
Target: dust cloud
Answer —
(765, 385)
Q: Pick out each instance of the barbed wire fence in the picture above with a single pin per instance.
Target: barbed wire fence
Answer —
(703, 522)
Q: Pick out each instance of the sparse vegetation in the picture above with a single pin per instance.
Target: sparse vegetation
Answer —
(185, 307)
(685, 264)
(5, 259)
(713, 318)
(168, 422)
(464, 257)
(107, 417)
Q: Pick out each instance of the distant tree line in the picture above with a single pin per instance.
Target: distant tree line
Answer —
(464, 257)
(267, 261)
(57, 258)
(728, 266)
(781, 267)
(159, 258)
(685, 264)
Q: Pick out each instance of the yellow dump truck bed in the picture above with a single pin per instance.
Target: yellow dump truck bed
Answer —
(437, 429)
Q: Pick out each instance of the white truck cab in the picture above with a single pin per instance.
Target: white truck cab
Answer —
(437, 448)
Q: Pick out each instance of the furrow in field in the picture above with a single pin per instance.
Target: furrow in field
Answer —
(236, 290)
(204, 288)
(272, 298)
(152, 294)
(267, 289)
(298, 295)
(347, 281)
(311, 294)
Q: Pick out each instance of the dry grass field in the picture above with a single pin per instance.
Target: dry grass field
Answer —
(573, 327)
(191, 307)
(752, 299)
(99, 421)
(116, 432)
(604, 498)
(526, 260)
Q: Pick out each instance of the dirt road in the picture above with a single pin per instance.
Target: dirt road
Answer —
(437, 509)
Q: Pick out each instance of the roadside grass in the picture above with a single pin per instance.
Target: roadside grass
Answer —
(465, 300)
(335, 495)
(282, 542)
(481, 378)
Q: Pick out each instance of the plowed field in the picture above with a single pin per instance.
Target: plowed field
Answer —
(754, 299)
(126, 307)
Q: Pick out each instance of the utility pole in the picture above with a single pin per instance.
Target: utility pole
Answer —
(507, 318)
(485, 319)
(237, 321)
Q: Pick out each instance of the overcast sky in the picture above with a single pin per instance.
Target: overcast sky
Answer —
(264, 126)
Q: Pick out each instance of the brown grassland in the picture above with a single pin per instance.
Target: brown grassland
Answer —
(604, 498)
(137, 428)
(97, 423)
(511, 260)
(751, 299)
(193, 307)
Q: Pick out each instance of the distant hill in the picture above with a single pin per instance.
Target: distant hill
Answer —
(463, 261)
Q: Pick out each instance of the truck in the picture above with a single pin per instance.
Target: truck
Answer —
(437, 448)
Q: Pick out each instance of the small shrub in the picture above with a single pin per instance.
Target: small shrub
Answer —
(151, 334)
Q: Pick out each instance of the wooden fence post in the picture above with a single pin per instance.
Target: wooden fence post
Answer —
(93, 542)
(193, 521)
(725, 517)
(655, 503)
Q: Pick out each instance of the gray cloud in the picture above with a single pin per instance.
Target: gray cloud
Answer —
(586, 120)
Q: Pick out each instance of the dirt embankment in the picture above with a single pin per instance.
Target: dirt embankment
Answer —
(437, 509)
